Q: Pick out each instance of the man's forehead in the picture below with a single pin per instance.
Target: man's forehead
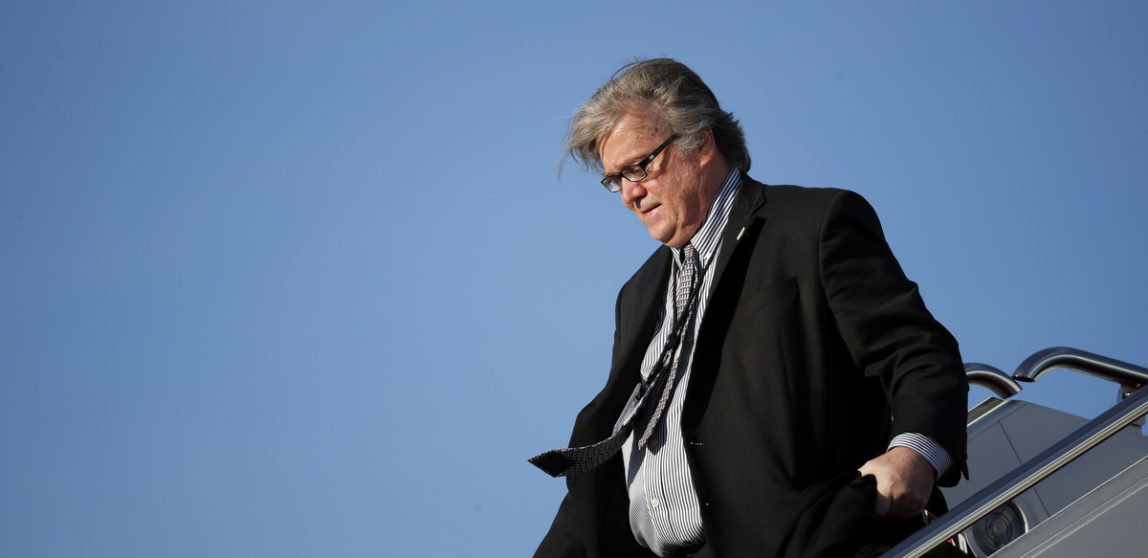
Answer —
(625, 143)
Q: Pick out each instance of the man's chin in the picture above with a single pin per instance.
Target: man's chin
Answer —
(666, 236)
(660, 236)
(669, 240)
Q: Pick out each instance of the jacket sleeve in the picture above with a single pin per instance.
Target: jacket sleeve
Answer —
(561, 541)
(889, 332)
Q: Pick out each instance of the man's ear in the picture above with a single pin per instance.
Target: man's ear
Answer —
(708, 149)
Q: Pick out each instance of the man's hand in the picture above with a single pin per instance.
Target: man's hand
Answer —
(904, 481)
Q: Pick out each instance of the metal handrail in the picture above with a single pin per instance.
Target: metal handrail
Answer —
(1081, 361)
(1024, 477)
(992, 378)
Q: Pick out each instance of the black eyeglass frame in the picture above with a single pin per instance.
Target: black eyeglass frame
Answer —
(613, 182)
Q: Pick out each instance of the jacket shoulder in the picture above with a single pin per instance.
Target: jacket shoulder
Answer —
(803, 195)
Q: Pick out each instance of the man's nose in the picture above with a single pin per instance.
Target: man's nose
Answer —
(631, 191)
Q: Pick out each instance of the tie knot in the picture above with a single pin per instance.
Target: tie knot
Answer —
(689, 254)
(686, 278)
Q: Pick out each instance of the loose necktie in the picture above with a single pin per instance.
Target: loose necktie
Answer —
(682, 294)
(572, 461)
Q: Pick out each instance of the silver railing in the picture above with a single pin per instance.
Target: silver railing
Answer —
(992, 378)
(1123, 414)
(1081, 361)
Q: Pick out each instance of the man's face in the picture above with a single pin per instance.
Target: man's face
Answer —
(672, 200)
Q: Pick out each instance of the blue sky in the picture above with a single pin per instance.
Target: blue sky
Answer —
(303, 279)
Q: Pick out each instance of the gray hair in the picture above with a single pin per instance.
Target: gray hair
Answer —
(674, 98)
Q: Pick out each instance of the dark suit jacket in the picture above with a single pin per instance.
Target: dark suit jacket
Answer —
(814, 351)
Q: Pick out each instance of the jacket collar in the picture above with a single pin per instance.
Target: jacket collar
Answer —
(742, 217)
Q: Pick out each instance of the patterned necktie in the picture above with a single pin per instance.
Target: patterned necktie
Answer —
(571, 461)
(682, 291)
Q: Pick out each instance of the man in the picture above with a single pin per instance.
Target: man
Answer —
(794, 396)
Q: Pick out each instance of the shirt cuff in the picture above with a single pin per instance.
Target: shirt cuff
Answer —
(924, 445)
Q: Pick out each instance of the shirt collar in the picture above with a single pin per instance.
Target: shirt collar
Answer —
(708, 237)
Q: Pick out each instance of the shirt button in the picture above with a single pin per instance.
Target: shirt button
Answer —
(654, 502)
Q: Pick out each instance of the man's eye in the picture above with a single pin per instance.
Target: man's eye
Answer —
(634, 172)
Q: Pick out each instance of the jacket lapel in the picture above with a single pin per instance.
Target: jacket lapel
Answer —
(639, 311)
(637, 316)
(740, 230)
(750, 198)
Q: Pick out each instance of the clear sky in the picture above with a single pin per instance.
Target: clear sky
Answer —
(301, 279)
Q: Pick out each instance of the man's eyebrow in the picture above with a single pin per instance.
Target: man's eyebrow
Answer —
(635, 160)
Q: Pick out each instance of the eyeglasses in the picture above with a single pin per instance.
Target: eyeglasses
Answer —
(634, 172)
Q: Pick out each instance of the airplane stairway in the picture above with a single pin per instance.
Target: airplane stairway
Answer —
(1044, 482)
